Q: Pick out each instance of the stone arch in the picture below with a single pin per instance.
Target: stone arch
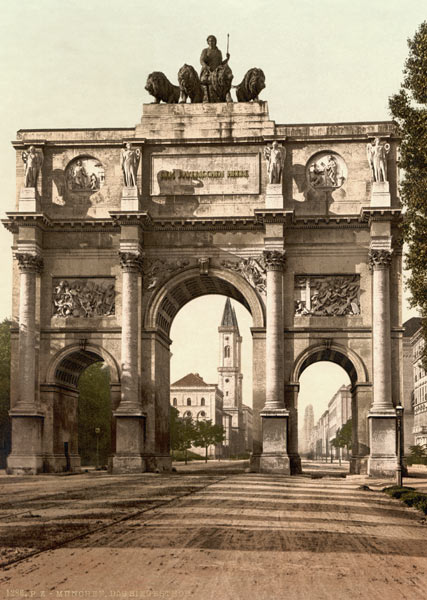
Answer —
(336, 353)
(190, 284)
(70, 362)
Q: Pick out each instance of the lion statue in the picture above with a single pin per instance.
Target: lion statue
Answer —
(159, 86)
(220, 84)
(189, 84)
(251, 86)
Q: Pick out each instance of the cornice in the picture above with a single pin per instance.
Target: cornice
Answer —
(20, 219)
(371, 215)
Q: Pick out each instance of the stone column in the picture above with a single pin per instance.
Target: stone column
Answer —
(129, 418)
(274, 457)
(291, 403)
(26, 455)
(131, 267)
(382, 416)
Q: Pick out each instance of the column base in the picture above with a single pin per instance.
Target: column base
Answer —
(159, 463)
(274, 457)
(295, 463)
(127, 463)
(24, 464)
(57, 463)
(382, 461)
(358, 465)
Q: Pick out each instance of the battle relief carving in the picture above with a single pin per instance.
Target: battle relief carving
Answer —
(326, 171)
(84, 174)
(83, 297)
(252, 269)
(327, 295)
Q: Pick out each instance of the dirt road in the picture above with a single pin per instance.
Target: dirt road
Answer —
(213, 535)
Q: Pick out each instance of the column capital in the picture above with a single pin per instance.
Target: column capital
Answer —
(379, 258)
(29, 263)
(130, 262)
(274, 260)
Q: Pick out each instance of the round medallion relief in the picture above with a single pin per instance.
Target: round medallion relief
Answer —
(326, 171)
(84, 174)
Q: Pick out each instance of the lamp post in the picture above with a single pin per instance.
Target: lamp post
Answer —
(399, 414)
(97, 432)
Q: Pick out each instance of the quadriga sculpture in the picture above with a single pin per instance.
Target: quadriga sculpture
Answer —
(189, 84)
(251, 86)
(218, 89)
(159, 86)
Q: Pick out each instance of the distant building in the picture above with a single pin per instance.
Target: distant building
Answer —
(307, 432)
(333, 419)
(419, 401)
(222, 403)
(411, 327)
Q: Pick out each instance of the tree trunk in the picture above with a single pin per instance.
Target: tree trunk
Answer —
(206, 454)
(185, 455)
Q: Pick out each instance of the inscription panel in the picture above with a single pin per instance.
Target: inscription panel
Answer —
(195, 174)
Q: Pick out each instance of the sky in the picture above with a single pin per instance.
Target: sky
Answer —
(84, 63)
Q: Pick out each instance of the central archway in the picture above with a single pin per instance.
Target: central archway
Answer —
(160, 310)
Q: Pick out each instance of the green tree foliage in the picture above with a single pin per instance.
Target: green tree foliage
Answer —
(94, 411)
(4, 390)
(343, 438)
(418, 454)
(207, 434)
(409, 110)
(182, 432)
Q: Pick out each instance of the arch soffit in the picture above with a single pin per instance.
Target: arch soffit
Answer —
(255, 304)
(103, 355)
(336, 353)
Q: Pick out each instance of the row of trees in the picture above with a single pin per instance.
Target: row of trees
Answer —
(185, 433)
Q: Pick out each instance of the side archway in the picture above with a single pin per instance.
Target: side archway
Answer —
(361, 393)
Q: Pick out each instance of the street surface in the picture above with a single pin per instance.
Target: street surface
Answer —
(214, 532)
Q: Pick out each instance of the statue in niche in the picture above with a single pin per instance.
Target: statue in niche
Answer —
(377, 157)
(85, 174)
(33, 161)
(327, 172)
(216, 75)
(275, 157)
(129, 161)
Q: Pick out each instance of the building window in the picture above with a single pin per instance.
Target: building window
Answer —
(188, 401)
(201, 415)
(188, 414)
(175, 401)
(227, 352)
(202, 402)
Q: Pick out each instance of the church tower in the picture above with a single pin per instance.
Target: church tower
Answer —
(230, 376)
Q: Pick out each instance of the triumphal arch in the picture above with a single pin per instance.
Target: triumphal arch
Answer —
(116, 229)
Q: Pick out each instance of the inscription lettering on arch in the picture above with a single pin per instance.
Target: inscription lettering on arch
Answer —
(202, 175)
(327, 295)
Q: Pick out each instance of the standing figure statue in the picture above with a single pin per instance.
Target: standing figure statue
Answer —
(377, 157)
(33, 161)
(215, 73)
(129, 161)
(275, 157)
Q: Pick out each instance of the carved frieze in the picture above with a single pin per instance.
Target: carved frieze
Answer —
(84, 297)
(253, 269)
(157, 270)
(327, 295)
(29, 263)
(379, 258)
